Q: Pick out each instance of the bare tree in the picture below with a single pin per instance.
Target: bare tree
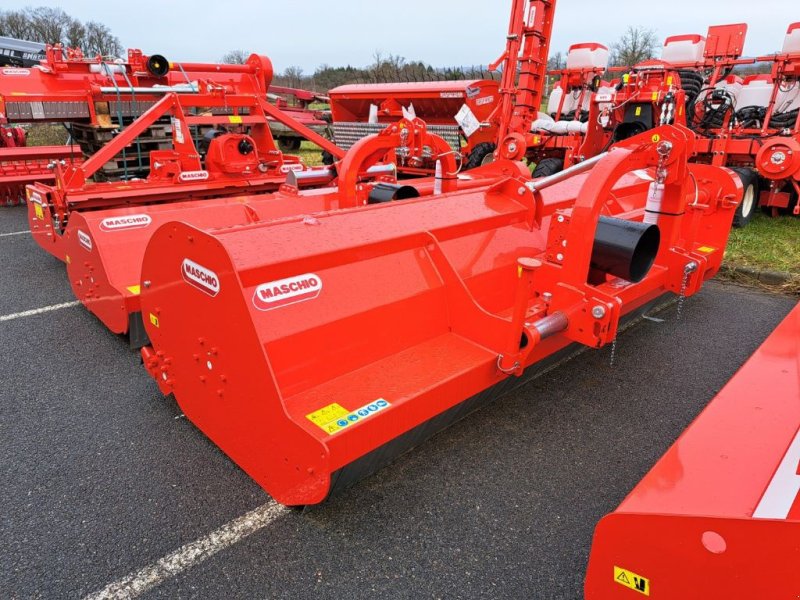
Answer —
(53, 26)
(235, 57)
(556, 62)
(293, 77)
(49, 25)
(635, 45)
(15, 24)
(99, 40)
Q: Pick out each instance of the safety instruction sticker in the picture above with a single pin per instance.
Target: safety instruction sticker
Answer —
(632, 581)
(706, 249)
(334, 418)
(135, 289)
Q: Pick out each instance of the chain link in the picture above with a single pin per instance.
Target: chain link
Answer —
(687, 271)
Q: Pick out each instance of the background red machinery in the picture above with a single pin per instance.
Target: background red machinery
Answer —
(95, 98)
(232, 163)
(754, 126)
(587, 114)
(361, 110)
(313, 349)
(718, 516)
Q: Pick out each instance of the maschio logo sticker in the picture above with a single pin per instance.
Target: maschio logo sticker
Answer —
(126, 222)
(288, 168)
(12, 71)
(84, 240)
(198, 276)
(193, 176)
(287, 291)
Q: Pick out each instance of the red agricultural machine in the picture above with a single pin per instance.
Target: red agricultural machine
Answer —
(454, 110)
(230, 162)
(95, 99)
(314, 348)
(718, 516)
(753, 125)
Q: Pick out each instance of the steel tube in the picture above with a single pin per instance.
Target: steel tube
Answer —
(582, 167)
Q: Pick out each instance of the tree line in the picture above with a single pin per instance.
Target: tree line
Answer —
(48, 25)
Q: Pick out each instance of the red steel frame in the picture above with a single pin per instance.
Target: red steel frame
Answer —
(718, 516)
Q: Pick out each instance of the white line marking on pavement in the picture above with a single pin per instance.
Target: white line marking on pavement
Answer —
(15, 233)
(37, 311)
(191, 554)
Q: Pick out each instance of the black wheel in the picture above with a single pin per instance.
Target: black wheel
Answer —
(747, 207)
(481, 154)
(289, 144)
(547, 167)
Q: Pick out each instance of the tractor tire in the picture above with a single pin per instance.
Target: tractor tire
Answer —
(289, 144)
(747, 207)
(547, 167)
(481, 154)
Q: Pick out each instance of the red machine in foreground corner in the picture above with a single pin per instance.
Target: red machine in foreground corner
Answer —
(719, 514)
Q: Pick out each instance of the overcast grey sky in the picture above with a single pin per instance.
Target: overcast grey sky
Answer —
(308, 33)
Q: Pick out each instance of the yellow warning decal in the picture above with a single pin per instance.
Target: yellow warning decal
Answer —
(334, 417)
(706, 249)
(656, 138)
(638, 111)
(235, 119)
(154, 320)
(135, 289)
(655, 96)
(632, 581)
(37, 208)
(669, 80)
(326, 417)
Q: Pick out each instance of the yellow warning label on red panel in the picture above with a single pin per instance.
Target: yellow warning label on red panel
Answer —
(334, 417)
(135, 289)
(235, 119)
(706, 249)
(154, 320)
(326, 417)
(656, 138)
(632, 581)
(37, 208)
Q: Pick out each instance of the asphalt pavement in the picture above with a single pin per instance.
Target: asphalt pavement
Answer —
(102, 476)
